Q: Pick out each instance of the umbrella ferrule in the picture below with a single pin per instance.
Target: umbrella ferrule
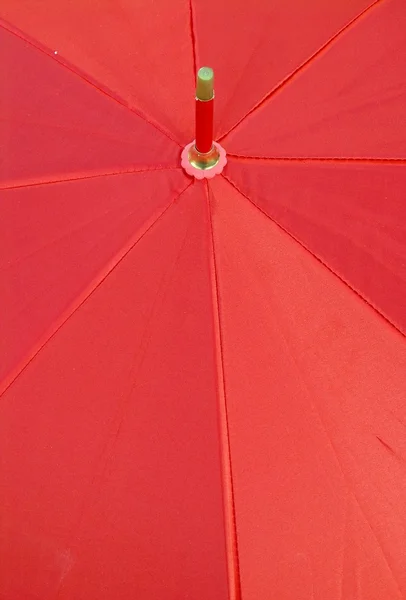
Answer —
(204, 125)
(204, 158)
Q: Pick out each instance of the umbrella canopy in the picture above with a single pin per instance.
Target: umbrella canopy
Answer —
(203, 383)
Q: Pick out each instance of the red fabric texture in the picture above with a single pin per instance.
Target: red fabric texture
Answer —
(352, 98)
(112, 477)
(350, 216)
(53, 258)
(128, 50)
(202, 384)
(54, 126)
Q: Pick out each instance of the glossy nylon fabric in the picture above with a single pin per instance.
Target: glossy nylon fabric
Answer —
(203, 385)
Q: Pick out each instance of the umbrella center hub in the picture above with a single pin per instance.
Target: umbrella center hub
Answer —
(203, 165)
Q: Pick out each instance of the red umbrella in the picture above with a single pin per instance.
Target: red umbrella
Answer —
(203, 382)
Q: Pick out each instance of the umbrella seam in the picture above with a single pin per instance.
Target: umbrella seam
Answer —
(320, 260)
(286, 80)
(17, 372)
(86, 177)
(68, 233)
(193, 38)
(82, 75)
(322, 159)
(227, 470)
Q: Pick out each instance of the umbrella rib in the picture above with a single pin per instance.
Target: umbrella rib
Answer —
(227, 472)
(316, 257)
(89, 292)
(86, 177)
(320, 159)
(282, 84)
(82, 75)
(193, 39)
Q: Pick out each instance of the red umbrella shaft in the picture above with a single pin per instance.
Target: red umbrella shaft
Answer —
(204, 125)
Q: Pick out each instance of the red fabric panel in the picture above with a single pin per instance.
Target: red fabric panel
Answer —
(349, 102)
(111, 483)
(58, 241)
(351, 216)
(141, 51)
(254, 45)
(315, 386)
(54, 125)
